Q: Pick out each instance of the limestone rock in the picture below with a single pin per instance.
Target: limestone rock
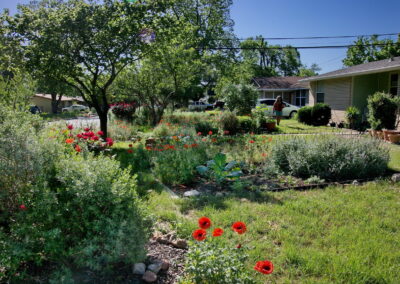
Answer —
(139, 268)
(155, 267)
(149, 277)
(191, 193)
(396, 178)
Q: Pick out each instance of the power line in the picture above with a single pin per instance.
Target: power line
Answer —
(321, 37)
(291, 47)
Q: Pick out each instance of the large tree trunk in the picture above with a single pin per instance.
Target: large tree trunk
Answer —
(103, 122)
(55, 102)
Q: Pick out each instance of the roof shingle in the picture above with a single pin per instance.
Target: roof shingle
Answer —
(276, 83)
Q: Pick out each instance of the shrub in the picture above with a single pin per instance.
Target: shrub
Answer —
(382, 111)
(178, 164)
(208, 263)
(321, 114)
(96, 219)
(353, 116)
(331, 158)
(304, 115)
(123, 110)
(247, 124)
(205, 127)
(241, 98)
(316, 115)
(229, 122)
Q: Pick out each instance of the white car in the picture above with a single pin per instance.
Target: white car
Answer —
(268, 104)
(75, 108)
(200, 106)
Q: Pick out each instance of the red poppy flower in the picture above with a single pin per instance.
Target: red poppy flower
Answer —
(186, 146)
(70, 126)
(239, 227)
(130, 145)
(199, 133)
(148, 148)
(22, 207)
(239, 246)
(95, 138)
(172, 147)
(199, 235)
(194, 145)
(214, 140)
(69, 141)
(78, 148)
(251, 141)
(264, 154)
(265, 267)
(87, 129)
(204, 223)
(109, 141)
(130, 151)
(79, 136)
(269, 139)
(100, 133)
(210, 132)
(226, 132)
(217, 232)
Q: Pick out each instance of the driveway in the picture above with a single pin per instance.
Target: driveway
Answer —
(82, 122)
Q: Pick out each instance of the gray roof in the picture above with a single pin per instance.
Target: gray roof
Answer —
(361, 69)
(280, 83)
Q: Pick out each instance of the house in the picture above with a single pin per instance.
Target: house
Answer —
(43, 101)
(353, 85)
(291, 89)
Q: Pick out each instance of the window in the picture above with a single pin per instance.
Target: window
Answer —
(301, 97)
(267, 102)
(394, 84)
(320, 97)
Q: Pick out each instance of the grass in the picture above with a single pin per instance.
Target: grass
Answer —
(292, 126)
(336, 235)
(394, 163)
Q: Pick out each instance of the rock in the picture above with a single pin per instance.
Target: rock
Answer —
(155, 267)
(219, 194)
(191, 193)
(165, 265)
(182, 244)
(355, 182)
(139, 268)
(396, 178)
(149, 277)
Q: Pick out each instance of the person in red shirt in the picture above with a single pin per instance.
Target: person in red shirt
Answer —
(278, 107)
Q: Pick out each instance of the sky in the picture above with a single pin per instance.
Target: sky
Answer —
(302, 18)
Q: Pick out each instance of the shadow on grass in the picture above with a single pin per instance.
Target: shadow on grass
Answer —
(221, 202)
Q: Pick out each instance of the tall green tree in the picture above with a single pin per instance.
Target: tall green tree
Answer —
(368, 49)
(270, 60)
(87, 44)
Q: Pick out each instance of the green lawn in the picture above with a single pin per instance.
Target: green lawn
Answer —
(394, 163)
(292, 126)
(336, 235)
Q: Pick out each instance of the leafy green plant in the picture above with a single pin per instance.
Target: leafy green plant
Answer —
(353, 116)
(316, 115)
(241, 98)
(247, 124)
(382, 111)
(259, 116)
(304, 115)
(331, 158)
(209, 263)
(219, 170)
(205, 127)
(229, 123)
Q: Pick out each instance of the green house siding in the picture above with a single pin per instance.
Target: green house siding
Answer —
(366, 85)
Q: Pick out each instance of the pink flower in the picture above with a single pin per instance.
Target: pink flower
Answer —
(22, 207)
(100, 133)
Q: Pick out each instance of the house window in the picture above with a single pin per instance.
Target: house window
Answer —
(320, 97)
(301, 97)
(394, 84)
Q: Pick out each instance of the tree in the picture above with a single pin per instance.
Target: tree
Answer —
(368, 49)
(270, 60)
(87, 44)
(304, 71)
(241, 98)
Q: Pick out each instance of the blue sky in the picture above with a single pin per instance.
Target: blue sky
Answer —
(299, 18)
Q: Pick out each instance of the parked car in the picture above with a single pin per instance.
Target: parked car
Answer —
(268, 104)
(75, 108)
(219, 104)
(200, 106)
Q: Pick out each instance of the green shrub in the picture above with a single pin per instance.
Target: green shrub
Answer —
(353, 116)
(321, 114)
(316, 115)
(247, 124)
(382, 111)
(208, 263)
(241, 98)
(205, 127)
(229, 122)
(304, 115)
(178, 166)
(331, 158)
